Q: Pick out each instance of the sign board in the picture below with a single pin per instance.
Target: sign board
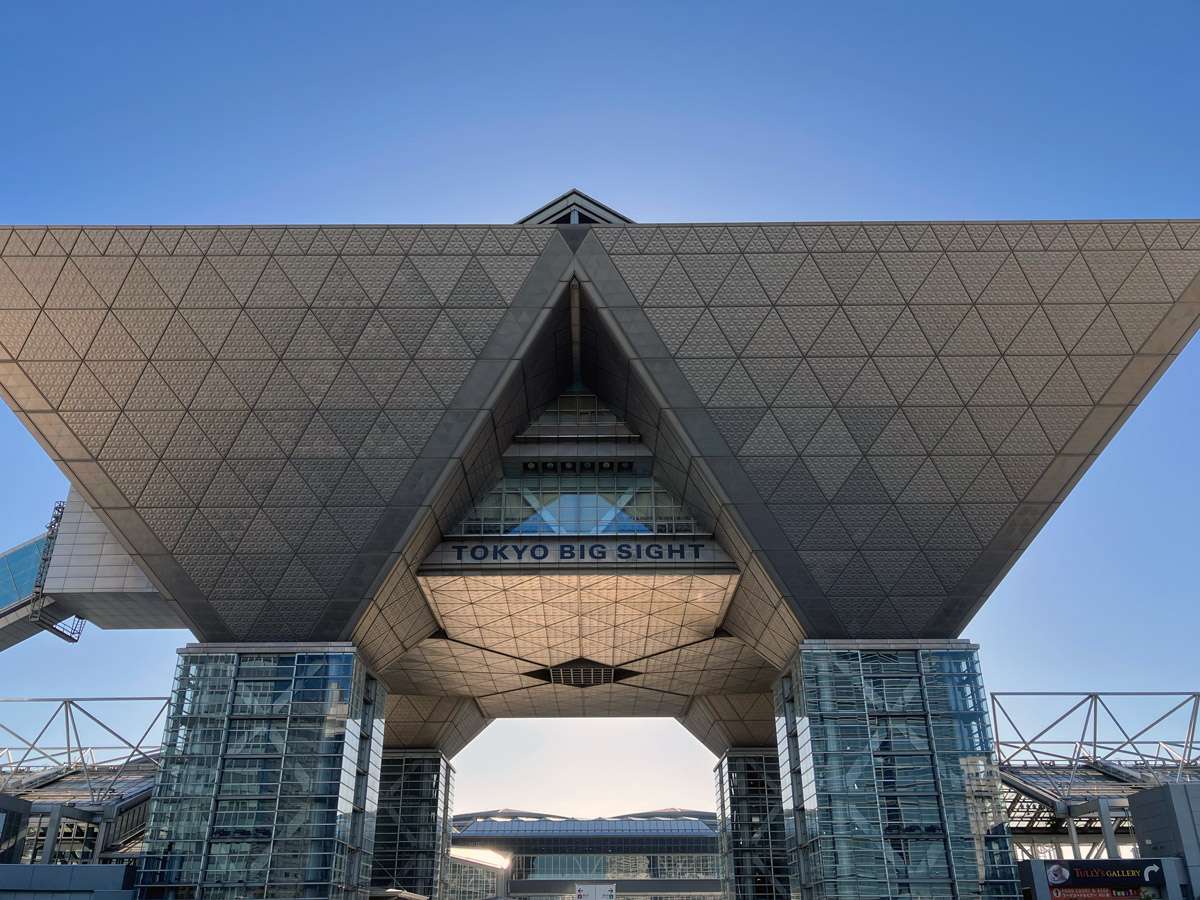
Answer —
(595, 892)
(522, 552)
(1070, 874)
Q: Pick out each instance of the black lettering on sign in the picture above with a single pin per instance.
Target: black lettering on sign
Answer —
(599, 551)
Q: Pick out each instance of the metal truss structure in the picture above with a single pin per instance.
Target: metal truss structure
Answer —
(1068, 781)
(1068, 761)
(75, 752)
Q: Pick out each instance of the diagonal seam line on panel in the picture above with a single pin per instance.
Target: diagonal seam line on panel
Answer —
(1120, 400)
(401, 542)
(624, 315)
(974, 283)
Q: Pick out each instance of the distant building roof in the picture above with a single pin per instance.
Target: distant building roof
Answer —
(680, 827)
(504, 813)
(668, 812)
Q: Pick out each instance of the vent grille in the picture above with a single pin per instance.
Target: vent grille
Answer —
(582, 673)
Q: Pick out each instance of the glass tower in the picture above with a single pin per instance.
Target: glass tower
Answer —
(889, 783)
(751, 825)
(270, 769)
(412, 837)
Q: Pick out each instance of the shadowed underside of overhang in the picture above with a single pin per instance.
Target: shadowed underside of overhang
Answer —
(600, 631)
(278, 422)
(674, 632)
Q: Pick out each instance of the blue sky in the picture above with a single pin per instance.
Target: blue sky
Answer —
(315, 112)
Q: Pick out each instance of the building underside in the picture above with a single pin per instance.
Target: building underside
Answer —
(576, 466)
(868, 421)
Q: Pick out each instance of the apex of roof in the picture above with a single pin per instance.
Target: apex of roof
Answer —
(574, 208)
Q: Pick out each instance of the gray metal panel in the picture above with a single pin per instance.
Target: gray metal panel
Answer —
(243, 408)
(905, 403)
(876, 419)
(446, 724)
(93, 577)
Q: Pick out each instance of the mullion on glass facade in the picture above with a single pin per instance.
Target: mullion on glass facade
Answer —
(577, 505)
(471, 880)
(615, 865)
(18, 569)
(412, 837)
(268, 783)
(753, 847)
(648, 857)
(890, 784)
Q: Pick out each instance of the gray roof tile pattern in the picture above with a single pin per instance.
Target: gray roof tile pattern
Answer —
(876, 418)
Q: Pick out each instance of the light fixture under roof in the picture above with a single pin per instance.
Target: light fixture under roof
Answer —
(581, 673)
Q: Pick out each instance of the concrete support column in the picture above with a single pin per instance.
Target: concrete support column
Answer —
(749, 805)
(270, 775)
(412, 837)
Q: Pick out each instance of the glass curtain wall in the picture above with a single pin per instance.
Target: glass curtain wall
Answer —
(412, 838)
(467, 880)
(75, 841)
(615, 866)
(12, 819)
(890, 785)
(18, 570)
(577, 470)
(751, 826)
(269, 777)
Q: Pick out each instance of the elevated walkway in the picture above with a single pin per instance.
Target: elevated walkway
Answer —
(18, 571)
(89, 577)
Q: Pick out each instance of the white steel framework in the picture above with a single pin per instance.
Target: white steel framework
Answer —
(1069, 776)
